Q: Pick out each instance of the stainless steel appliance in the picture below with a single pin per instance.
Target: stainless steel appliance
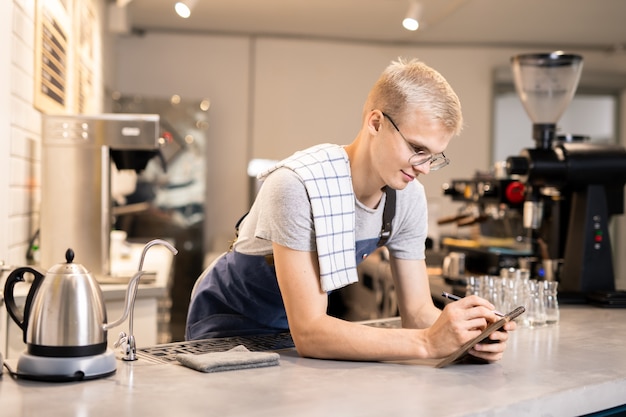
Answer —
(493, 205)
(77, 155)
(64, 321)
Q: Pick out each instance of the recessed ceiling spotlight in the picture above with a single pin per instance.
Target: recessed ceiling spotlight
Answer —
(184, 7)
(414, 14)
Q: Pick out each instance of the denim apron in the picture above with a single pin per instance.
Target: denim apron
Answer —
(239, 294)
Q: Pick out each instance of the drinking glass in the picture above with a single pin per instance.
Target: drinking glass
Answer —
(536, 310)
(551, 302)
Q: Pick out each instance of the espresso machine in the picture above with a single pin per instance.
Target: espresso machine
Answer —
(572, 187)
(78, 153)
(492, 204)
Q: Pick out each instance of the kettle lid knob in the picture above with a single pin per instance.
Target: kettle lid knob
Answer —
(69, 255)
(68, 267)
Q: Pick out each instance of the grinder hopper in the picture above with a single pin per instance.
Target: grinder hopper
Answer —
(546, 84)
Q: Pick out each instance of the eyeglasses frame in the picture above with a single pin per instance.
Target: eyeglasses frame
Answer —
(445, 161)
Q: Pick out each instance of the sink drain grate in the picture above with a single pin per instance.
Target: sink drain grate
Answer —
(167, 352)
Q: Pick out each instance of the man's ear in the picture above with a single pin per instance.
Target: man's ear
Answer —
(374, 120)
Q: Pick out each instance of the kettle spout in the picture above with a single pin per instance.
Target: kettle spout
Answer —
(131, 292)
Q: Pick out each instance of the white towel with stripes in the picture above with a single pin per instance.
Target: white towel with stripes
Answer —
(325, 171)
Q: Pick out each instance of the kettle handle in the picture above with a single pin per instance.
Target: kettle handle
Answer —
(17, 275)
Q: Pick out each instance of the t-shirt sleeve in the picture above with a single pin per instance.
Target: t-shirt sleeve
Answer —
(284, 211)
(410, 224)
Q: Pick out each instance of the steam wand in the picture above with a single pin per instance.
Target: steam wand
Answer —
(130, 347)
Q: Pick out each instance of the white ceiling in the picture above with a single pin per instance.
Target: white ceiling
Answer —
(546, 24)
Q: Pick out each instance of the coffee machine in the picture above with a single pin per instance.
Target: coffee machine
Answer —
(76, 203)
(572, 188)
(491, 212)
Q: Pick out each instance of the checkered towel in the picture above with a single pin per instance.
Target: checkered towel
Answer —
(325, 171)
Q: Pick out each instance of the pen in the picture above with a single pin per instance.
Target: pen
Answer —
(457, 298)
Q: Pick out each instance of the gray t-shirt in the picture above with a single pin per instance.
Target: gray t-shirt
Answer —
(281, 213)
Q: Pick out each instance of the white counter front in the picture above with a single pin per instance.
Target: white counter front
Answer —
(575, 368)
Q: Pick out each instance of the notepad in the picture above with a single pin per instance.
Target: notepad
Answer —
(461, 352)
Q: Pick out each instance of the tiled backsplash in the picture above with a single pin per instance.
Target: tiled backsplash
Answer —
(24, 137)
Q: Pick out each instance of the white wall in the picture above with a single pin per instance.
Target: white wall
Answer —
(310, 92)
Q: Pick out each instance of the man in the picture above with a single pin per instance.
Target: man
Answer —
(321, 211)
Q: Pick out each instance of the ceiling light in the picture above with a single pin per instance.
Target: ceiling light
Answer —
(413, 16)
(184, 7)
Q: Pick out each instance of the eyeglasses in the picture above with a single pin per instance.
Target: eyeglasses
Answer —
(420, 157)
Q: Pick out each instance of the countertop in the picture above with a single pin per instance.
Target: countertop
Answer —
(574, 368)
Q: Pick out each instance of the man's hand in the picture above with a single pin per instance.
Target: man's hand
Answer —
(460, 322)
(492, 349)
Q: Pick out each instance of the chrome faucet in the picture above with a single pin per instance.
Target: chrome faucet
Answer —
(127, 341)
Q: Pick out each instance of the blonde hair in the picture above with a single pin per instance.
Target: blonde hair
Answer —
(410, 85)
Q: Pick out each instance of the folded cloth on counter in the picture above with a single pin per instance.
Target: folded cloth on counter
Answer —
(238, 357)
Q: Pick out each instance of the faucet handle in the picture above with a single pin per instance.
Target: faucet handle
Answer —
(131, 349)
(122, 341)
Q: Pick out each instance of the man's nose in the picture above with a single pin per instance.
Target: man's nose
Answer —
(422, 168)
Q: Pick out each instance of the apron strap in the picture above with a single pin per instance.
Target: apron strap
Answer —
(388, 213)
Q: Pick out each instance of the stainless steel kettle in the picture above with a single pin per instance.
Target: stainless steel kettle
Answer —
(64, 314)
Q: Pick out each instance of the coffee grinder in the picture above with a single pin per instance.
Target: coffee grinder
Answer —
(572, 187)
